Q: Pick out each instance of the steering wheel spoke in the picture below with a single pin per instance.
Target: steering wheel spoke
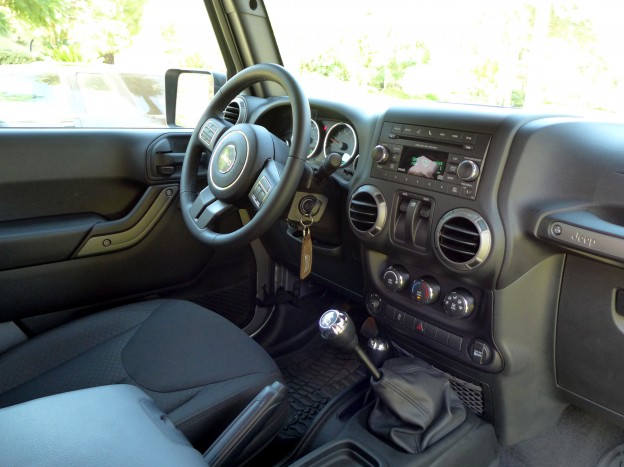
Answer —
(265, 183)
(207, 208)
(213, 212)
(211, 131)
(203, 200)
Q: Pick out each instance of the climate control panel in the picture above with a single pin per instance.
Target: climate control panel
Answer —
(459, 303)
(435, 311)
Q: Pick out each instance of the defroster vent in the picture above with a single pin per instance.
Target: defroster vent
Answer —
(368, 210)
(463, 239)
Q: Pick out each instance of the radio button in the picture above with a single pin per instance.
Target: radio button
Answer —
(468, 192)
(411, 130)
(455, 158)
(397, 128)
(396, 149)
(441, 187)
(380, 154)
(455, 190)
(469, 137)
(441, 134)
(451, 169)
(455, 135)
(468, 170)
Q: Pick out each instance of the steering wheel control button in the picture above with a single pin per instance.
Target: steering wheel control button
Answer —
(395, 278)
(480, 352)
(459, 303)
(373, 303)
(425, 290)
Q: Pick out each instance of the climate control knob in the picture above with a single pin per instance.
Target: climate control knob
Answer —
(459, 303)
(468, 171)
(425, 290)
(380, 154)
(395, 278)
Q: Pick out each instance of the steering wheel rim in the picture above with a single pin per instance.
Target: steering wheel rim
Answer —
(281, 195)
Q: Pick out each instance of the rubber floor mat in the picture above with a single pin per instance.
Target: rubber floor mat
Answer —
(314, 375)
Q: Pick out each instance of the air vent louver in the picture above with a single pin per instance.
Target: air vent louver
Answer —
(367, 210)
(232, 112)
(463, 239)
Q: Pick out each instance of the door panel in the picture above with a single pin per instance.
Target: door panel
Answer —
(61, 187)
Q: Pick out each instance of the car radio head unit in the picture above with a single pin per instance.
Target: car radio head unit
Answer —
(446, 161)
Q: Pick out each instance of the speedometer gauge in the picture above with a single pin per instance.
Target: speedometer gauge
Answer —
(341, 139)
(314, 139)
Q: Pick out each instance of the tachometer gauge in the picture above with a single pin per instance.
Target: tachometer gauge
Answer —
(314, 139)
(341, 139)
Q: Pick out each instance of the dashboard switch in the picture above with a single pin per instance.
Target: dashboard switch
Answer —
(395, 278)
(373, 304)
(425, 290)
(459, 303)
(480, 352)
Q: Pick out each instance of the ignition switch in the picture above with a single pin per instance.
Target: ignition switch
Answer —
(310, 205)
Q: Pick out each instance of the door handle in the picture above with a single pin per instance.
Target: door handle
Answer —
(166, 155)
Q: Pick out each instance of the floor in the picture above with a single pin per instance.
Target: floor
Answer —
(579, 439)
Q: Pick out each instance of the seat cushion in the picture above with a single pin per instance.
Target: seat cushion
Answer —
(197, 366)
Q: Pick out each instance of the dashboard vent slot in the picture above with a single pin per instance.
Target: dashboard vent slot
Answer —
(367, 210)
(463, 239)
(232, 112)
(236, 111)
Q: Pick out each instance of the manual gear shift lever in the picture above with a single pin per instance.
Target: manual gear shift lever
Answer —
(338, 329)
(415, 405)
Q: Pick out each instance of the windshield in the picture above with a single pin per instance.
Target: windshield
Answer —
(537, 54)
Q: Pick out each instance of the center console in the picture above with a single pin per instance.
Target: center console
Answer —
(422, 212)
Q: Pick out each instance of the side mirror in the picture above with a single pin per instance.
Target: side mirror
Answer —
(187, 93)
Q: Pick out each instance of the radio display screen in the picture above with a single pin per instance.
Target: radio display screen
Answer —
(422, 162)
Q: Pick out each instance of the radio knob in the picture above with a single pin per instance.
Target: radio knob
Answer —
(425, 290)
(459, 303)
(468, 171)
(380, 154)
(395, 278)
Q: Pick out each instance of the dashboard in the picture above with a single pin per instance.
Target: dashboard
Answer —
(489, 240)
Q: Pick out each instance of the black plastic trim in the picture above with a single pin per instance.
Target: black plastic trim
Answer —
(118, 235)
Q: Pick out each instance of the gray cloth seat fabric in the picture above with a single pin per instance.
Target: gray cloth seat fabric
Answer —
(198, 367)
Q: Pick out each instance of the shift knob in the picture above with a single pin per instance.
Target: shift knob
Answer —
(378, 350)
(337, 328)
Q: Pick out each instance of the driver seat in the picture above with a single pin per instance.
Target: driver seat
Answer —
(197, 366)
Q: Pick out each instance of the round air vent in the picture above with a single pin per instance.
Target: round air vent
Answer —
(368, 210)
(463, 239)
(236, 111)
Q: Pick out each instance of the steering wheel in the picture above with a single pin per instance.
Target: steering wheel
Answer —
(247, 162)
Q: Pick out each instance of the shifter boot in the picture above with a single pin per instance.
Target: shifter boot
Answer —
(415, 406)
